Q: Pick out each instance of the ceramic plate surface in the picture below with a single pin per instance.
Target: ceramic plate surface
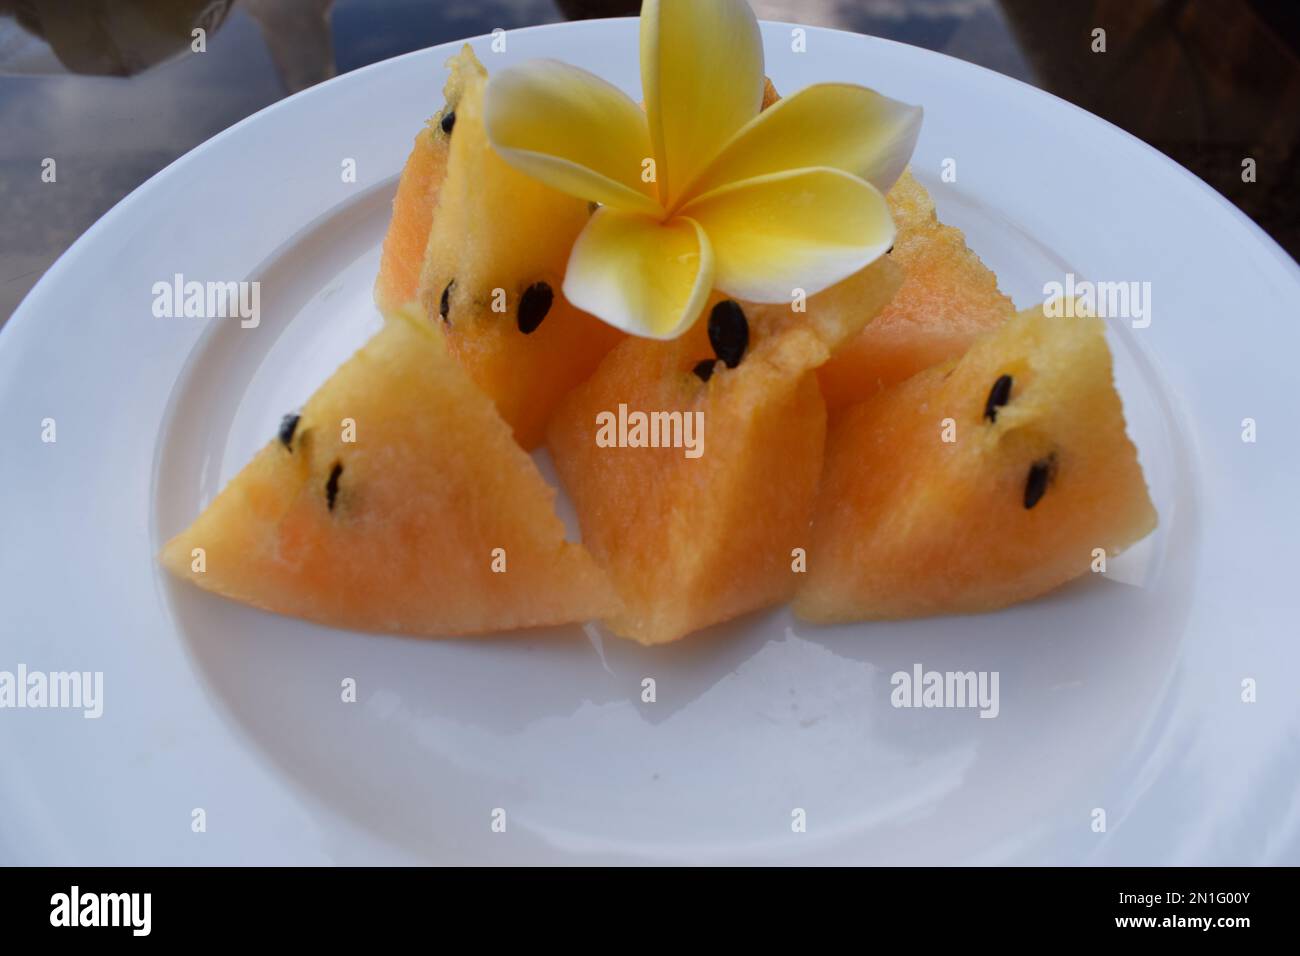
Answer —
(1122, 692)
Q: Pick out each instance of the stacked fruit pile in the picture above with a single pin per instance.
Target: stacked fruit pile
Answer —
(899, 444)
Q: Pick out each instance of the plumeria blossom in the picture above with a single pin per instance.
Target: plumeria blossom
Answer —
(701, 189)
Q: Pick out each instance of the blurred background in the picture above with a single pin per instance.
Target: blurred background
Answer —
(114, 90)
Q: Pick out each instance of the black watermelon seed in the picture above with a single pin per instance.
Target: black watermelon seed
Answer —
(889, 250)
(998, 396)
(1040, 472)
(728, 332)
(533, 306)
(288, 425)
(704, 369)
(448, 121)
(332, 486)
(444, 304)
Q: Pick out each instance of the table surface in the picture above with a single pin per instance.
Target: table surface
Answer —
(112, 91)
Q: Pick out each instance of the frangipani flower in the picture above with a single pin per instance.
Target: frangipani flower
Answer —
(701, 190)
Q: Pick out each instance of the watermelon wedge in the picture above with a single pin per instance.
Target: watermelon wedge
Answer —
(431, 521)
(978, 483)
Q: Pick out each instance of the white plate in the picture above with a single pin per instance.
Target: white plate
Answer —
(1122, 693)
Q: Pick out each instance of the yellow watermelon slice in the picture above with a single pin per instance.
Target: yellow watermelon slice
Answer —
(493, 270)
(693, 541)
(432, 521)
(948, 299)
(402, 258)
(1038, 474)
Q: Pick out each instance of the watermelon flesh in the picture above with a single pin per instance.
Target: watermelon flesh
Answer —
(691, 542)
(433, 521)
(402, 258)
(493, 268)
(948, 299)
(1040, 473)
